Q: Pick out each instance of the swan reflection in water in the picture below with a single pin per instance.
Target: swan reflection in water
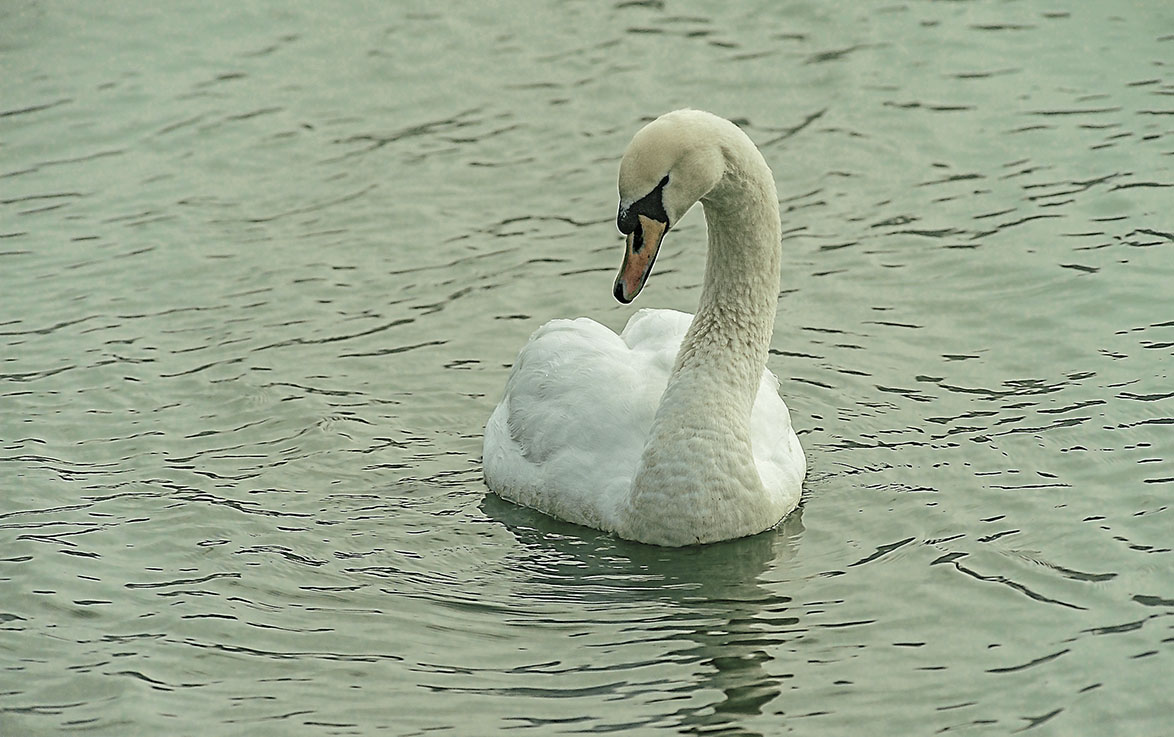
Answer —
(702, 620)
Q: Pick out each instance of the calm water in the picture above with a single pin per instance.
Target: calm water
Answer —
(264, 268)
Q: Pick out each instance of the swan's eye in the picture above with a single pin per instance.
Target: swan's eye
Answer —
(626, 220)
(650, 205)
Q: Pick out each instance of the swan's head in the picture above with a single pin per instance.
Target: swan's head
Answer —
(671, 163)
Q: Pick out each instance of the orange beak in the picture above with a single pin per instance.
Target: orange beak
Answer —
(639, 254)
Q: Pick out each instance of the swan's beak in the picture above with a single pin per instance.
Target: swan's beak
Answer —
(639, 253)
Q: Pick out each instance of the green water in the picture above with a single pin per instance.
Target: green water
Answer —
(264, 268)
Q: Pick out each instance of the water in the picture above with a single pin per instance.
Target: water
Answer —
(264, 267)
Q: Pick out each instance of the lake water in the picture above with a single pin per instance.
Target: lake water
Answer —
(264, 268)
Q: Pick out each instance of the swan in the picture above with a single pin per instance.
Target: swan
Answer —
(673, 432)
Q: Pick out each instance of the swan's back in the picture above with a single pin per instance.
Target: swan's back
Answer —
(569, 431)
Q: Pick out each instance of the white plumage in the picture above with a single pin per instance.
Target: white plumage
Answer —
(673, 432)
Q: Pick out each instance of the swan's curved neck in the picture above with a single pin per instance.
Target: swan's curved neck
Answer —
(699, 443)
(697, 476)
(731, 331)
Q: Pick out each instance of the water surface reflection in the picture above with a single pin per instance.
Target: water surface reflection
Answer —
(707, 611)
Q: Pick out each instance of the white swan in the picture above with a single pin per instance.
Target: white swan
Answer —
(673, 432)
